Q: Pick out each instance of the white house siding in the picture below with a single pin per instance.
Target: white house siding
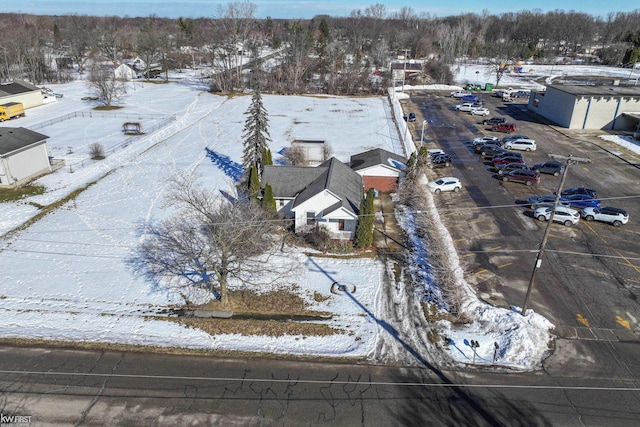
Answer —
(332, 223)
(315, 204)
(379, 170)
(20, 166)
(124, 72)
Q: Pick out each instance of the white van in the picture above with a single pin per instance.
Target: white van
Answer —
(521, 144)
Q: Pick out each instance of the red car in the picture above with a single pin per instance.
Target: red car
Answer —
(523, 176)
(504, 127)
(504, 160)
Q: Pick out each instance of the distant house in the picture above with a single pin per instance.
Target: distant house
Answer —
(23, 156)
(21, 91)
(127, 72)
(327, 195)
(314, 150)
(380, 169)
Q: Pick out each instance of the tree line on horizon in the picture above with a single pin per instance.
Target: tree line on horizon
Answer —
(325, 54)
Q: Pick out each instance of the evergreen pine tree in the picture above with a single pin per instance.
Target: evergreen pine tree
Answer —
(268, 202)
(267, 159)
(255, 134)
(254, 183)
(364, 228)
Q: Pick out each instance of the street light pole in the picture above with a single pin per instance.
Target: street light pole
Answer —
(424, 122)
(569, 160)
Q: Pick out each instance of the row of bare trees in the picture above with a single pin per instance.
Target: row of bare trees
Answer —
(326, 54)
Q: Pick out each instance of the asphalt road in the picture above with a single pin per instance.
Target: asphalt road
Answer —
(70, 387)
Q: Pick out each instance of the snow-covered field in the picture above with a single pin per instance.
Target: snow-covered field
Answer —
(65, 276)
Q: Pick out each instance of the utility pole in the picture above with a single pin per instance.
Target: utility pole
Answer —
(568, 160)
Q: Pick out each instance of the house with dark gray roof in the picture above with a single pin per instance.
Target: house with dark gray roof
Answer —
(380, 169)
(23, 156)
(328, 195)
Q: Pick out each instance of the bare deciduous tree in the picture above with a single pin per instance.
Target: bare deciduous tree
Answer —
(208, 242)
(295, 155)
(237, 21)
(104, 85)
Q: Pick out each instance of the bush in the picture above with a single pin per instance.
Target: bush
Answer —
(318, 237)
(96, 151)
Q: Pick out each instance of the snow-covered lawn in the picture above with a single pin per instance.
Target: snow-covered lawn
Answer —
(65, 276)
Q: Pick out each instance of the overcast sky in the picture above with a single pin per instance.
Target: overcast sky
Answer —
(292, 9)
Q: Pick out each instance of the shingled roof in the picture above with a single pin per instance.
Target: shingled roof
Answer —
(16, 88)
(13, 139)
(375, 157)
(305, 182)
(341, 181)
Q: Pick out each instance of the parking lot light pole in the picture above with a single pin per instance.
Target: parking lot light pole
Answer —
(424, 122)
(569, 160)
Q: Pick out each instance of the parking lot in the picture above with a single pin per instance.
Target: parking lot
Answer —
(589, 278)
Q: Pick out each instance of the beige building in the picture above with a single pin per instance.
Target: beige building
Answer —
(21, 91)
(589, 107)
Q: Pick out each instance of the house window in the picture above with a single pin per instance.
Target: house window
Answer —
(311, 218)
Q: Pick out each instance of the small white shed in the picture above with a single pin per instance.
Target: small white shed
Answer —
(23, 156)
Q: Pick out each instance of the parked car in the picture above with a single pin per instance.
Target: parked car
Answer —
(523, 176)
(507, 153)
(494, 121)
(521, 144)
(513, 137)
(505, 160)
(563, 215)
(412, 117)
(479, 147)
(448, 183)
(467, 106)
(504, 127)
(615, 216)
(471, 98)
(484, 139)
(580, 201)
(520, 94)
(434, 151)
(480, 111)
(440, 160)
(551, 167)
(459, 93)
(536, 202)
(507, 167)
(579, 190)
(491, 150)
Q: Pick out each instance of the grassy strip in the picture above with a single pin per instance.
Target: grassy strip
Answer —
(248, 327)
(13, 194)
(276, 302)
(45, 210)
